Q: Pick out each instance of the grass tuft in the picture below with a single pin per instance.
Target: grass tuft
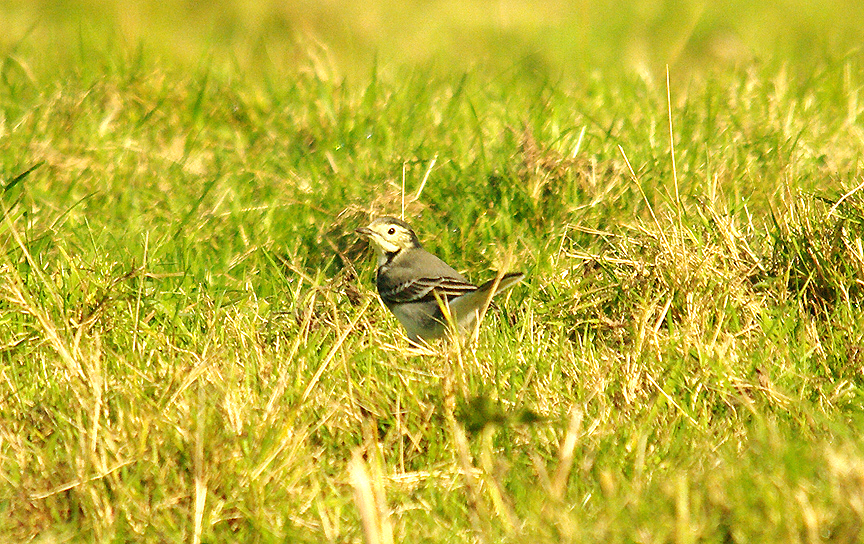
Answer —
(818, 249)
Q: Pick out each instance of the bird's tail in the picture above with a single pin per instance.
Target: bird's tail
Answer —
(507, 280)
(477, 301)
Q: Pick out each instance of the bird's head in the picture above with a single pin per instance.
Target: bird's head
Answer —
(389, 235)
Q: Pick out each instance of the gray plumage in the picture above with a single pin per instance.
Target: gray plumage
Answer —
(411, 281)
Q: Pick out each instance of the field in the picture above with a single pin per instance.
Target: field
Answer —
(192, 348)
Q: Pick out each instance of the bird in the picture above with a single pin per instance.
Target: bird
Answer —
(415, 285)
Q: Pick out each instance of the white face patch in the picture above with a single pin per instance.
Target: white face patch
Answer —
(388, 237)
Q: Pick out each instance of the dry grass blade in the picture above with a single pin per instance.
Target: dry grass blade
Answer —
(635, 179)
(333, 351)
(478, 511)
(672, 146)
(672, 400)
(22, 300)
(302, 336)
(375, 527)
(844, 197)
(200, 478)
(426, 177)
(565, 455)
(71, 485)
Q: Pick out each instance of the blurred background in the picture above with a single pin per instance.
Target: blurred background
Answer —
(550, 39)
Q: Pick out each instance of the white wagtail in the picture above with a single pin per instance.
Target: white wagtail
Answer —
(414, 284)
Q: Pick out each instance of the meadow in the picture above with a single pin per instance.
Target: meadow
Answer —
(192, 348)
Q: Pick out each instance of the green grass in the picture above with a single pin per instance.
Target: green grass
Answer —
(191, 348)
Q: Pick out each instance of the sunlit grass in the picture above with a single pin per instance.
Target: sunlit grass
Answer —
(191, 347)
(540, 39)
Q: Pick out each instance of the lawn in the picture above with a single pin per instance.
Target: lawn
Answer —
(192, 348)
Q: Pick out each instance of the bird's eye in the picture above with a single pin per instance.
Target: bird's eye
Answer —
(391, 231)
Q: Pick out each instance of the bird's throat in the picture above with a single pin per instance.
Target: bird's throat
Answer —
(386, 257)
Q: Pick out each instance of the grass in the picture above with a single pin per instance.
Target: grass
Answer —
(192, 349)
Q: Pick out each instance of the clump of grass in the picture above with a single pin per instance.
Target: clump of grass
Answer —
(697, 280)
(818, 251)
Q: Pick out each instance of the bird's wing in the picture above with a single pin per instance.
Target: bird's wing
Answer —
(424, 289)
(416, 275)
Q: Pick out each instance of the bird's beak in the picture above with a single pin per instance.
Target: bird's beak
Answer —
(364, 231)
